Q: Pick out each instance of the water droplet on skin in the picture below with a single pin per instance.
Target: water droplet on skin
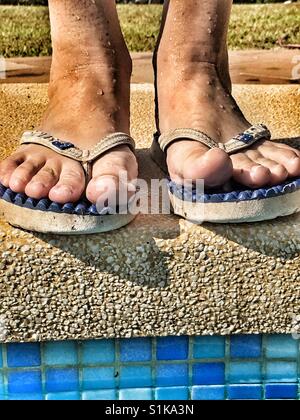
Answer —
(222, 107)
(100, 92)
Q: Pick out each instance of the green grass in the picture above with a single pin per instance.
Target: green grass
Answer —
(25, 30)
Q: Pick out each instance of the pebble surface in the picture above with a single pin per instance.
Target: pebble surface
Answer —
(158, 276)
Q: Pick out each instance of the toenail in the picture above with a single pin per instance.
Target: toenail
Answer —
(63, 189)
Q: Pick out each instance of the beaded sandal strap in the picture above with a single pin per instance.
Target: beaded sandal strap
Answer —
(68, 149)
(240, 142)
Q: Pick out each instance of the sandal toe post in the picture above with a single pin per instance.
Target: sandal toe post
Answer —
(237, 204)
(46, 216)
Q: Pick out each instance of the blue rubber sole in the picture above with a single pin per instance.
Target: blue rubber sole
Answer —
(239, 195)
(81, 208)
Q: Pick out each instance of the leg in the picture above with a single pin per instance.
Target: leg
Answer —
(88, 98)
(194, 91)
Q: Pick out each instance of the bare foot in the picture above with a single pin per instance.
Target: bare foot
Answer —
(88, 99)
(194, 91)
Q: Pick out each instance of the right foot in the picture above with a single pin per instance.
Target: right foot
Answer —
(89, 99)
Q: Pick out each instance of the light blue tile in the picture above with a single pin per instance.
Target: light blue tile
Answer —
(105, 394)
(135, 376)
(98, 378)
(24, 382)
(281, 346)
(62, 380)
(209, 393)
(98, 352)
(136, 350)
(282, 372)
(209, 347)
(245, 372)
(60, 353)
(63, 396)
(136, 394)
(26, 397)
(172, 394)
(172, 375)
(2, 387)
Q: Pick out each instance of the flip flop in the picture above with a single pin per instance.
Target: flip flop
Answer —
(237, 204)
(72, 218)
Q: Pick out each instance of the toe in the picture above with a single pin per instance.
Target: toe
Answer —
(214, 166)
(23, 174)
(278, 172)
(7, 168)
(284, 155)
(249, 173)
(71, 184)
(102, 190)
(43, 181)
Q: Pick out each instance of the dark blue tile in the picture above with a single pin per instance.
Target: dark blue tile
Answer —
(282, 391)
(136, 350)
(245, 392)
(61, 380)
(135, 376)
(172, 375)
(23, 355)
(209, 347)
(172, 348)
(1, 359)
(172, 393)
(246, 346)
(208, 393)
(24, 382)
(209, 374)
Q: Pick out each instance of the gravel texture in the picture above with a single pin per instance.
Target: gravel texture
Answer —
(160, 275)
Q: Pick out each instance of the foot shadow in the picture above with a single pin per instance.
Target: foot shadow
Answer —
(134, 253)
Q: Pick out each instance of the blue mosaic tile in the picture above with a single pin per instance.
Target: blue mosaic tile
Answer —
(136, 394)
(208, 393)
(135, 376)
(172, 375)
(23, 355)
(283, 391)
(281, 372)
(281, 346)
(63, 396)
(1, 358)
(245, 372)
(100, 351)
(2, 387)
(60, 353)
(209, 374)
(209, 347)
(27, 397)
(24, 382)
(172, 394)
(98, 378)
(136, 350)
(61, 380)
(246, 346)
(245, 392)
(172, 348)
(105, 394)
